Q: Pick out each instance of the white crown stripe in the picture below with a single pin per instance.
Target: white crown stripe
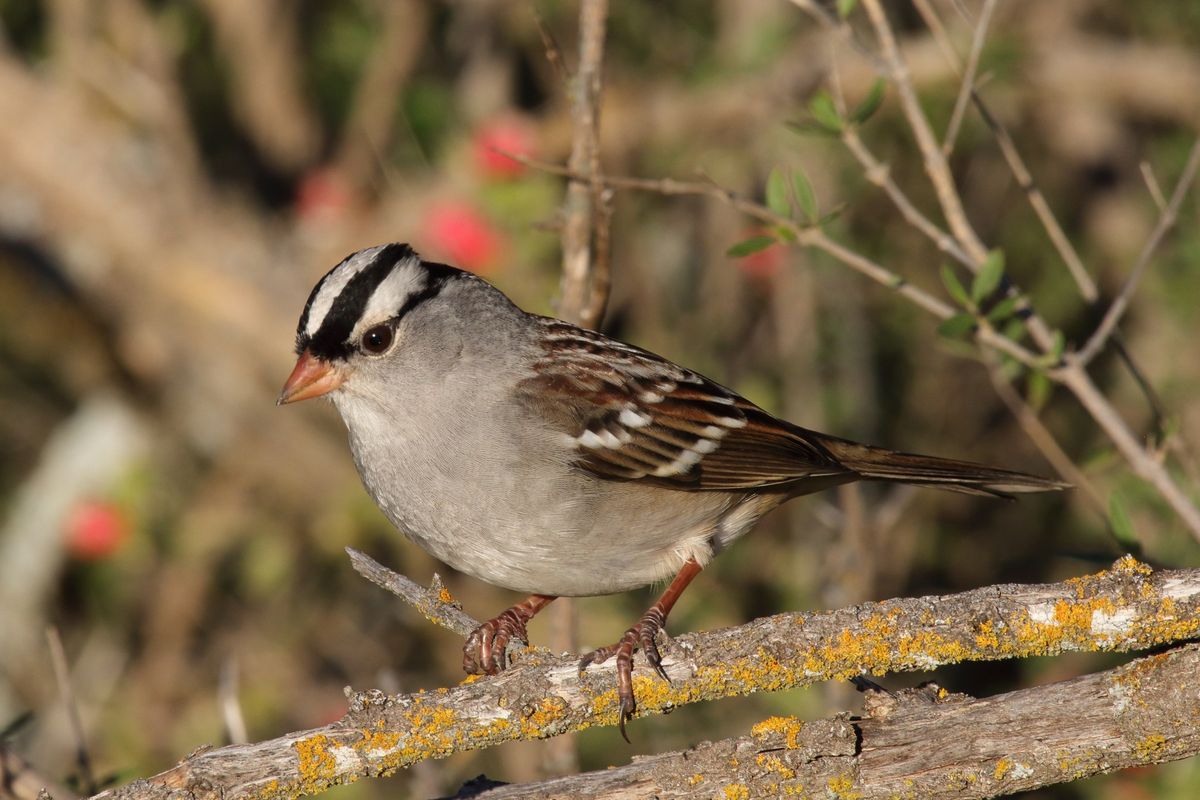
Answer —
(332, 285)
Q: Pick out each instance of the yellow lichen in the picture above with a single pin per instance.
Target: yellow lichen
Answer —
(1003, 767)
(773, 763)
(736, 791)
(842, 786)
(1151, 747)
(445, 596)
(695, 779)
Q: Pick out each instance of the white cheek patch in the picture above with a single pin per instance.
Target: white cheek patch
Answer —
(404, 281)
(333, 285)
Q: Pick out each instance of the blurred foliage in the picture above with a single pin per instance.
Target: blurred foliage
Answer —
(234, 554)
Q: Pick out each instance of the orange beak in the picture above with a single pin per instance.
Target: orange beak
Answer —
(311, 377)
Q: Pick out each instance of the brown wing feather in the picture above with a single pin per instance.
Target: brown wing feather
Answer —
(636, 416)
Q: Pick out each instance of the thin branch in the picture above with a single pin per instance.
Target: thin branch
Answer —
(1072, 373)
(1156, 192)
(934, 23)
(928, 743)
(582, 212)
(1037, 200)
(1044, 440)
(1129, 607)
(1166, 221)
(807, 236)
(231, 709)
(62, 675)
(434, 602)
(879, 174)
(935, 162)
(967, 87)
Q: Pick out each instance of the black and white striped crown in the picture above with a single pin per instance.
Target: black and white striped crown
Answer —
(368, 287)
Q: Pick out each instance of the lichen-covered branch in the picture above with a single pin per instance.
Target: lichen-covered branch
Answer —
(929, 743)
(1128, 607)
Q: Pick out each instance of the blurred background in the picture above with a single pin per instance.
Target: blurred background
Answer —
(175, 176)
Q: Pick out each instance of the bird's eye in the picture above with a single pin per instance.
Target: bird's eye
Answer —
(377, 339)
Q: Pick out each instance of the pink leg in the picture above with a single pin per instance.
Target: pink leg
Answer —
(483, 652)
(642, 634)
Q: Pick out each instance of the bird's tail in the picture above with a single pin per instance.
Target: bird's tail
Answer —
(876, 463)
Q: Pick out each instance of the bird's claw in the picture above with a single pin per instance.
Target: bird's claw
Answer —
(484, 652)
(640, 635)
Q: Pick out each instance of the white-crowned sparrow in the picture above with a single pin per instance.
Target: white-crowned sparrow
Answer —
(552, 460)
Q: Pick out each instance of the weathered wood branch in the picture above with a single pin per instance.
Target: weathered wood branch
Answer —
(1128, 607)
(929, 743)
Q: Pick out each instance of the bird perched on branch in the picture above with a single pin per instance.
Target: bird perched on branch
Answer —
(552, 460)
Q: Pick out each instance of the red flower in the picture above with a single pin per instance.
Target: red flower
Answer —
(322, 196)
(763, 265)
(96, 530)
(459, 233)
(508, 133)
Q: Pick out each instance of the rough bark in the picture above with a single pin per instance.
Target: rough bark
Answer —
(1128, 607)
(929, 743)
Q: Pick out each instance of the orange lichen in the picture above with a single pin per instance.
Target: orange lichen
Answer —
(789, 727)
(316, 762)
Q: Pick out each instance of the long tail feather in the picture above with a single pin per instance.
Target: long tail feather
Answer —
(876, 463)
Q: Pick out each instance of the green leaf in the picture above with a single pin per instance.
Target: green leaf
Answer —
(805, 197)
(777, 193)
(786, 234)
(749, 246)
(870, 104)
(988, 277)
(824, 112)
(810, 127)
(846, 7)
(955, 287)
(956, 327)
(1122, 526)
(1014, 329)
(1037, 391)
(1003, 310)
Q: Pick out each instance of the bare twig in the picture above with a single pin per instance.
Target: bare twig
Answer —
(935, 162)
(967, 87)
(1166, 221)
(1044, 440)
(1037, 200)
(62, 675)
(1127, 607)
(808, 236)
(231, 708)
(1156, 192)
(880, 175)
(20, 781)
(582, 208)
(434, 603)
(1072, 373)
(934, 23)
(368, 130)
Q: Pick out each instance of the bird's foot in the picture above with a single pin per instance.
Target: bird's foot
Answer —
(484, 652)
(640, 635)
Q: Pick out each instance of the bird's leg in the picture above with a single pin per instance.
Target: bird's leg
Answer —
(642, 634)
(484, 650)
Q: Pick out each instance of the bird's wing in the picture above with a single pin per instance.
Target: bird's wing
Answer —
(632, 415)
